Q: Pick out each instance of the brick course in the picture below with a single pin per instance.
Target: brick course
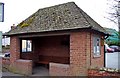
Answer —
(22, 67)
(97, 61)
(78, 53)
(81, 55)
(17, 66)
(14, 48)
(59, 69)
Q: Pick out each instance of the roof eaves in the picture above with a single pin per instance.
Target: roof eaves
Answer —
(101, 31)
(10, 34)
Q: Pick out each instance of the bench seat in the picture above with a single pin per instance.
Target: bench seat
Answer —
(55, 59)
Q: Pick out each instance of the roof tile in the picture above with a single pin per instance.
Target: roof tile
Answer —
(59, 17)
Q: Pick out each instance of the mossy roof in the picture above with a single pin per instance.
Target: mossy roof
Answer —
(56, 18)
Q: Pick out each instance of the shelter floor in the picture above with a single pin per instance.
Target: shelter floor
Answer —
(40, 71)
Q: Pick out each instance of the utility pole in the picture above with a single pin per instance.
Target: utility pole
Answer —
(1, 20)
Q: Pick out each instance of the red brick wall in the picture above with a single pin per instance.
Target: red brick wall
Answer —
(81, 55)
(97, 61)
(57, 69)
(81, 52)
(77, 66)
(17, 66)
(26, 55)
(78, 53)
(14, 48)
(22, 67)
(51, 46)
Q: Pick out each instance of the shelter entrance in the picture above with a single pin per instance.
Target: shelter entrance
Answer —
(48, 49)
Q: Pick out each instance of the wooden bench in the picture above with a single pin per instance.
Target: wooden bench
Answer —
(46, 63)
(56, 59)
(43, 62)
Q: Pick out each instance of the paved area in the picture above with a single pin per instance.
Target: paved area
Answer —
(10, 74)
(38, 71)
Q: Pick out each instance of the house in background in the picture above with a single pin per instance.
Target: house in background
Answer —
(63, 36)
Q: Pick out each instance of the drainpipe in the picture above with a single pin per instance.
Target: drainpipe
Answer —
(91, 44)
(0, 41)
(107, 35)
(90, 48)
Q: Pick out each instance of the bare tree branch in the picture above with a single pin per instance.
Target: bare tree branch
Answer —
(113, 20)
(114, 13)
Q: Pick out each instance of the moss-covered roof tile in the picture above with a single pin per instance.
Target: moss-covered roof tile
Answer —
(59, 17)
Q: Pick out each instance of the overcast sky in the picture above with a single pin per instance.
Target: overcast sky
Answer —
(18, 10)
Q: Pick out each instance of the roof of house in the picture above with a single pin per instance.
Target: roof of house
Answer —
(59, 17)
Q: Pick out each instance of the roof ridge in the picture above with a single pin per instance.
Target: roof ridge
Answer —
(57, 5)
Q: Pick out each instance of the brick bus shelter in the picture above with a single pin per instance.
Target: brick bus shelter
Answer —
(63, 37)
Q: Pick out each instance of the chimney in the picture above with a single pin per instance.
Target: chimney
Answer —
(13, 27)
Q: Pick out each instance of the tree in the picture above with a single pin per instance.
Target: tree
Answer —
(114, 11)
